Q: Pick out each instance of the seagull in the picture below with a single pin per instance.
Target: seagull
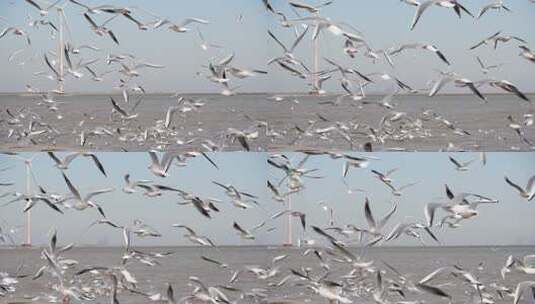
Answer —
(528, 192)
(154, 190)
(243, 137)
(288, 52)
(17, 32)
(91, 10)
(64, 163)
(300, 215)
(85, 202)
(139, 24)
(204, 206)
(130, 185)
(504, 85)
(160, 167)
(461, 166)
(518, 129)
(427, 47)
(527, 53)
(375, 227)
(181, 27)
(101, 30)
(495, 39)
(32, 200)
(331, 291)
(233, 192)
(354, 162)
(496, 5)
(385, 177)
(143, 230)
(244, 234)
(458, 81)
(194, 237)
(210, 260)
(423, 6)
(486, 69)
(124, 115)
(43, 11)
(309, 8)
(396, 191)
(96, 77)
(458, 206)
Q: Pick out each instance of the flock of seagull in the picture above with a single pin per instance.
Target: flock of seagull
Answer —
(41, 125)
(48, 122)
(333, 244)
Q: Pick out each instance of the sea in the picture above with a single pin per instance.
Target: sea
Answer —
(486, 124)
(412, 262)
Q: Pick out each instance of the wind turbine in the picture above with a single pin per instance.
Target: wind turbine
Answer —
(316, 55)
(29, 176)
(61, 50)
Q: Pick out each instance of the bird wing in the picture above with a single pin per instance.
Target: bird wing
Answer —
(191, 20)
(97, 162)
(517, 187)
(420, 9)
(93, 24)
(455, 162)
(368, 214)
(73, 190)
(34, 4)
(278, 41)
(95, 193)
(439, 85)
(117, 108)
(54, 157)
(298, 40)
(385, 219)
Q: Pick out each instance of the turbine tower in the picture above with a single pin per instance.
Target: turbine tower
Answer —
(29, 175)
(61, 50)
(289, 241)
(316, 58)
(29, 212)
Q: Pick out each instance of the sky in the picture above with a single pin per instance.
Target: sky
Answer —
(383, 23)
(510, 222)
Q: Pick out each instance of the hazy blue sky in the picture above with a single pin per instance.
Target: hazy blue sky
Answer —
(384, 23)
(509, 222)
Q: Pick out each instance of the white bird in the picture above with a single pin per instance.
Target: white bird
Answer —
(17, 32)
(486, 68)
(496, 5)
(85, 202)
(160, 167)
(194, 237)
(423, 6)
(427, 47)
(461, 166)
(495, 39)
(64, 163)
(527, 53)
(43, 11)
(180, 27)
(458, 81)
(375, 227)
(101, 30)
(528, 192)
(244, 234)
(458, 206)
(130, 185)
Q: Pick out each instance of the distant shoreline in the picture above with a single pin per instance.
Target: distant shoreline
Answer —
(238, 94)
(279, 247)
